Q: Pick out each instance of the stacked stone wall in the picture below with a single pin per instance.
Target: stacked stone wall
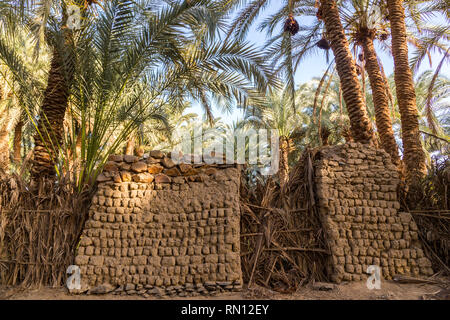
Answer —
(356, 187)
(157, 227)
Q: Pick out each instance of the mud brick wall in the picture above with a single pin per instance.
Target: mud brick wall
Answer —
(356, 187)
(157, 227)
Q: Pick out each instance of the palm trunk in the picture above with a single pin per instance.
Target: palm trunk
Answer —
(324, 135)
(129, 148)
(75, 159)
(4, 150)
(351, 90)
(18, 142)
(78, 146)
(380, 100)
(413, 154)
(50, 124)
(284, 161)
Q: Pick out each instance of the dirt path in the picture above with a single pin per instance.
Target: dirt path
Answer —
(348, 291)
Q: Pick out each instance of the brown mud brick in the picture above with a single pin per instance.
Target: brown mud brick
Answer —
(157, 154)
(130, 158)
(167, 162)
(155, 168)
(139, 166)
(103, 178)
(110, 166)
(115, 157)
(184, 167)
(162, 178)
(191, 172)
(172, 172)
(143, 177)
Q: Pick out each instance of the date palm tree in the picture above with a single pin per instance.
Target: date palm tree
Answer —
(356, 17)
(351, 89)
(413, 154)
(17, 62)
(149, 69)
(130, 63)
(59, 37)
(277, 114)
(304, 43)
(280, 48)
(432, 96)
(365, 26)
(5, 128)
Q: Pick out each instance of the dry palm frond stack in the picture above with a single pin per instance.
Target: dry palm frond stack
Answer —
(429, 204)
(282, 241)
(39, 231)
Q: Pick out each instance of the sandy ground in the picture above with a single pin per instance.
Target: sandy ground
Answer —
(346, 291)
